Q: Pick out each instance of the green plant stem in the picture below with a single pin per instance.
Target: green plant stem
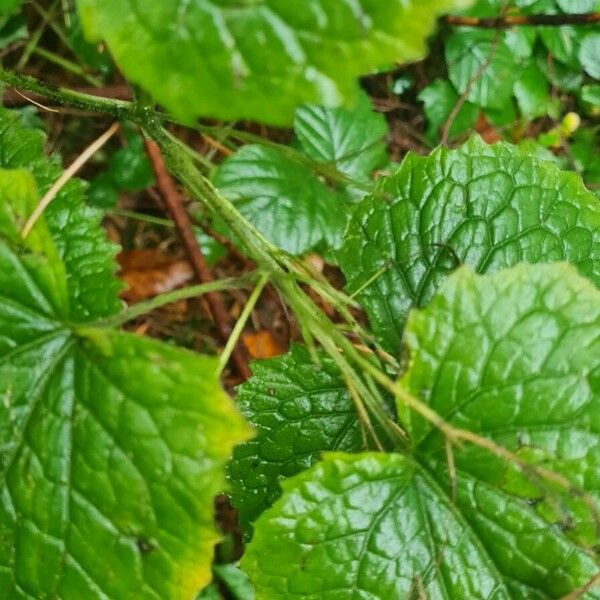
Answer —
(67, 65)
(142, 308)
(281, 269)
(119, 109)
(241, 323)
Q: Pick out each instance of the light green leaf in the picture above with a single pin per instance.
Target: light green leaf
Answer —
(299, 409)
(481, 66)
(589, 55)
(258, 59)
(353, 141)
(282, 198)
(577, 6)
(112, 446)
(514, 356)
(485, 206)
(439, 99)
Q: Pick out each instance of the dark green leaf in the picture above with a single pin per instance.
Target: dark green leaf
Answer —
(482, 66)
(486, 206)
(591, 94)
(282, 198)
(532, 91)
(75, 227)
(354, 141)
(439, 99)
(299, 409)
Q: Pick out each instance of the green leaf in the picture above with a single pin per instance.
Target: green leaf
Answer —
(353, 141)
(75, 227)
(589, 55)
(128, 170)
(9, 6)
(258, 60)
(564, 43)
(299, 409)
(515, 357)
(112, 446)
(585, 148)
(481, 66)
(439, 99)
(94, 55)
(282, 198)
(566, 78)
(485, 206)
(577, 6)
(532, 91)
(590, 94)
(236, 581)
(503, 116)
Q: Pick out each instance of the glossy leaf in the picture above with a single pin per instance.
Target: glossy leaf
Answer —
(258, 60)
(282, 198)
(514, 356)
(299, 410)
(482, 67)
(353, 141)
(112, 445)
(486, 206)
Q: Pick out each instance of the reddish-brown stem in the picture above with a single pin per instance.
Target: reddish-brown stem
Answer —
(183, 223)
(523, 20)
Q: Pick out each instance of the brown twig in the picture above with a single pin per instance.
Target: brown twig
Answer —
(183, 223)
(507, 21)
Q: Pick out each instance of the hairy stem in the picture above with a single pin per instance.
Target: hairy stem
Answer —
(120, 109)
